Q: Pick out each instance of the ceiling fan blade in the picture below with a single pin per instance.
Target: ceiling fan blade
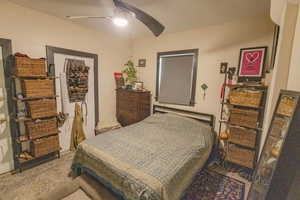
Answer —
(155, 26)
(87, 17)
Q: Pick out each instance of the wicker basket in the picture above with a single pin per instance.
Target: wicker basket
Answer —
(286, 106)
(28, 67)
(41, 128)
(242, 136)
(277, 126)
(245, 97)
(240, 156)
(38, 88)
(247, 118)
(42, 108)
(44, 146)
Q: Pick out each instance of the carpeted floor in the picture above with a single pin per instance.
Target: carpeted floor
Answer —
(35, 181)
(46, 177)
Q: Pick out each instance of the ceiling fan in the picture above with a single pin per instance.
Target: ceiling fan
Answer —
(123, 11)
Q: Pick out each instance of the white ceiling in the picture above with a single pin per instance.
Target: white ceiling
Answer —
(176, 15)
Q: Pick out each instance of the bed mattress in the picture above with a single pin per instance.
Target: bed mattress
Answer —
(155, 159)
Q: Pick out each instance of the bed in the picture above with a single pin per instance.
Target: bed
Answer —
(155, 159)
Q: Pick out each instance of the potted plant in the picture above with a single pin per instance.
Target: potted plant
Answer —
(131, 74)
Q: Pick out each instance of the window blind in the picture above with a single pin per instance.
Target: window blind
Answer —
(176, 77)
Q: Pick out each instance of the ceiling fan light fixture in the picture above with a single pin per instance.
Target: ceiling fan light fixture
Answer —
(120, 21)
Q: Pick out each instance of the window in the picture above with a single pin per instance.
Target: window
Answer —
(176, 77)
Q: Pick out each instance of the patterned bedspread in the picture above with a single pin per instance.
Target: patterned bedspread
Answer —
(155, 159)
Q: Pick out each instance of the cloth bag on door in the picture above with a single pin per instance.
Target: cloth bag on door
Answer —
(77, 134)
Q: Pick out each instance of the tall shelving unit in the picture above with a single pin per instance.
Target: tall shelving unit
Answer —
(24, 143)
(277, 173)
(243, 143)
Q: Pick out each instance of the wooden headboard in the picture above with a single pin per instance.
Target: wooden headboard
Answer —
(203, 117)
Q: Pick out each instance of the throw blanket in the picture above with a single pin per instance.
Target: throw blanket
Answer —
(155, 159)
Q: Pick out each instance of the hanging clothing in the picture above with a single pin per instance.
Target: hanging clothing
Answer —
(77, 134)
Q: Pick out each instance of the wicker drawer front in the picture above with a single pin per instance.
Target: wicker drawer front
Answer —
(42, 108)
(240, 156)
(44, 146)
(242, 136)
(278, 126)
(41, 128)
(38, 88)
(247, 118)
(245, 98)
(27, 67)
(286, 106)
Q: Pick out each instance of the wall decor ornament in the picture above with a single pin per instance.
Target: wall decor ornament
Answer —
(77, 79)
(231, 73)
(204, 88)
(252, 64)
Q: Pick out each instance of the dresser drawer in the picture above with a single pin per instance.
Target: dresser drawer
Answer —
(125, 94)
(128, 107)
(127, 118)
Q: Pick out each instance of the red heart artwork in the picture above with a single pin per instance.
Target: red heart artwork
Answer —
(252, 57)
(252, 62)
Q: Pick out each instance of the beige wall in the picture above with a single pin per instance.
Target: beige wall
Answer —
(31, 30)
(277, 7)
(294, 74)
(216, 44)
(282, 65)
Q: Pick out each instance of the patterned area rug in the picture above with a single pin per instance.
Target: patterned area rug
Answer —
(210, 185)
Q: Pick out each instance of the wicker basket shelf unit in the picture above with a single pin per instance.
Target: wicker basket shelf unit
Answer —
(29, 78)
(245, 105)
(277, 174)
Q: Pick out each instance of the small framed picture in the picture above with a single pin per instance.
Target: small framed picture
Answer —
(223, 68)
(138, 85)
(142, 63)
(252, 64)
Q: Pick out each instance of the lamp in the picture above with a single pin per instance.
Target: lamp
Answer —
(120, 18)
(120, 21)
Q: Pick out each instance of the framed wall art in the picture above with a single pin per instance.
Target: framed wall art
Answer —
(275, 46)
(252, 64)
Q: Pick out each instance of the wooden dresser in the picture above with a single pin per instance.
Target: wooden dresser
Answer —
(132, 106)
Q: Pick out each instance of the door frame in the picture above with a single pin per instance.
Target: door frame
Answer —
(50, 51)
(6, 45)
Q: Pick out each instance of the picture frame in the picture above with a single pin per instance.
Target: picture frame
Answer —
(142, 63)
(275, 46)
(138, 85)
(252, 63)
(223, 68)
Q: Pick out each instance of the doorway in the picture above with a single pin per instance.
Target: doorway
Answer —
(57, 60)
(6, 150)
